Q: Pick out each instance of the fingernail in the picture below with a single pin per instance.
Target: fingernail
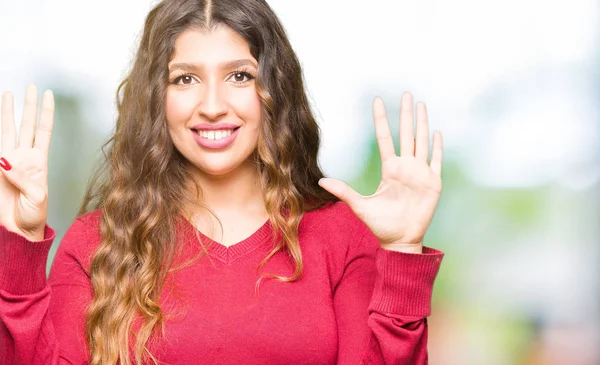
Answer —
(4, 164)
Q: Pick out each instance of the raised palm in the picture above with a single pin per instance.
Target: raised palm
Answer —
(24, 187)
(402, 208)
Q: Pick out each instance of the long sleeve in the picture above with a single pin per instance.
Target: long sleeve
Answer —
(382, 303)
(42, 321)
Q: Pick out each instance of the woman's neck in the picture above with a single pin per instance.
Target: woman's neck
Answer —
(237, 191)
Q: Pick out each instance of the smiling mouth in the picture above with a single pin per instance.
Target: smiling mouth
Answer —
(215, 135)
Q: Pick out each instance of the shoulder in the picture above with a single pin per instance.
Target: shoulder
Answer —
(336, 216)
(337, 224)
(339, 238)
(90, 221)
(88, 226)
(81, 239)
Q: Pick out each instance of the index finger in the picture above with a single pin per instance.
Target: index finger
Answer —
(382, 131)
(7, 119)
(44, 130)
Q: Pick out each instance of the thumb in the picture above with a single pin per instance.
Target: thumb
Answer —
(341, 190)
(19, 179)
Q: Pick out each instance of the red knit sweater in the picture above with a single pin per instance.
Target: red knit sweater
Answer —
(355, 303)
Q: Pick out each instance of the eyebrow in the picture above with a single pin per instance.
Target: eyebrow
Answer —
(225, 65)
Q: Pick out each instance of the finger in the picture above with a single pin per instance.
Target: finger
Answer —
(341, 190)
(9, 137)
(436, 154)
(382, 131)
(44, 130)
(407, 134)
(422, 139)
(14, 175)
(29, 117)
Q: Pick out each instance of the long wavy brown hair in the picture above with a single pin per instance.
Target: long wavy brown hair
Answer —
(142, 185)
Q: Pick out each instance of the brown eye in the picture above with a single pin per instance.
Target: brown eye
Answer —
(241, 77)
(183, 80)
(187, 79)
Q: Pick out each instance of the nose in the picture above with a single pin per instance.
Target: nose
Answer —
(212, 104)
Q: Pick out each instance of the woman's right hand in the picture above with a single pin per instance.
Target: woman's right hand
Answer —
(24, 166)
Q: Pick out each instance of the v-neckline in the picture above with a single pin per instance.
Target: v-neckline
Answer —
(260, 237)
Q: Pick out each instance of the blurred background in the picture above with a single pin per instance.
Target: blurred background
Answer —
(514, 86)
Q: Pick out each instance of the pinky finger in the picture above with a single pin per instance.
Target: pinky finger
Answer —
(436, 154)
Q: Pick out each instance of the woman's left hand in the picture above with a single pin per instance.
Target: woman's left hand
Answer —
(402, 208)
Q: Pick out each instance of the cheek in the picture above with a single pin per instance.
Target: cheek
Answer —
(249, 107)
(179, 107)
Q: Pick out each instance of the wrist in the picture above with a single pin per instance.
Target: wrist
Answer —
(33, 235)
(404, 247)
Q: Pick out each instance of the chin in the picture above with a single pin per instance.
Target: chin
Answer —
(215, 169)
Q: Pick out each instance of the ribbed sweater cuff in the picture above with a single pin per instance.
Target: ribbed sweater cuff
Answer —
(405, 281)
(23, 262)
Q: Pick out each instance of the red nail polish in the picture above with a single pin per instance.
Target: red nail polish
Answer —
(4, 164)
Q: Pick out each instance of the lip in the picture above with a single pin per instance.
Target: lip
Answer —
(216, 144)
(214, 127)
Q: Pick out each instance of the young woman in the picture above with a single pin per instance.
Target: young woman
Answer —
(211, 183)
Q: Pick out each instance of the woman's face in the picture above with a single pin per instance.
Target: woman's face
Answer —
(213, 110)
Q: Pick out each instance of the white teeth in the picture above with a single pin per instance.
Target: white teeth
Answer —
(215, 135)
